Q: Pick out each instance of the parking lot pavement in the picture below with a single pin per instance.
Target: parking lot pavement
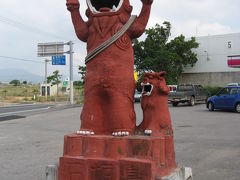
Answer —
(209, 142)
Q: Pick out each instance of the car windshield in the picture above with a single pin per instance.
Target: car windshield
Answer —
(224, 91)
(229, 91)
(234, 91)
(185, 88)
(137, 92)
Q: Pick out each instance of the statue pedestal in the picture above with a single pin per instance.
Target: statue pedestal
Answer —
(116, 158)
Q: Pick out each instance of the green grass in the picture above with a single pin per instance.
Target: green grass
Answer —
(23, 90)
(25, 93)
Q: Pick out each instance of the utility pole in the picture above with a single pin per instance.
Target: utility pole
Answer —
(46, 89)
(57, 49)
(70, 43)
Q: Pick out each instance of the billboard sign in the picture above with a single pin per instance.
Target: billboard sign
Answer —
(50, 49)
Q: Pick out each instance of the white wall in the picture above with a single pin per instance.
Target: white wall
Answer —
(213, 51)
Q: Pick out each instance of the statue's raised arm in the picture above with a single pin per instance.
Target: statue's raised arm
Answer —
(80, 26)
(138, 28)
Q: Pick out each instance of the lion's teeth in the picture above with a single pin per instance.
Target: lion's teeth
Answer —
(114, 8)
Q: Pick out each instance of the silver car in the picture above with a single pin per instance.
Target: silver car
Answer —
(137, 96)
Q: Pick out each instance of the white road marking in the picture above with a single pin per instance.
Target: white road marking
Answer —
(30, 110)
(18, 105)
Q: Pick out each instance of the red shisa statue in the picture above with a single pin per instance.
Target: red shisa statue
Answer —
(156, 116)
(109, 82)
(107, 147)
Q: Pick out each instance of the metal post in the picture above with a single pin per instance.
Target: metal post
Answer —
(46, 61)
(71, 70)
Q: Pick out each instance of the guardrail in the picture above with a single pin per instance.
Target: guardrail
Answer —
(60, 99)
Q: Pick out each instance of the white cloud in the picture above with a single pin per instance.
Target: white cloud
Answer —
(197, 28)
(49, 20)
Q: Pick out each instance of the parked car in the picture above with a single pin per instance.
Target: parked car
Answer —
(172, 88)
(228, 98)
(233, 84)
(137, 96)
(190, 93)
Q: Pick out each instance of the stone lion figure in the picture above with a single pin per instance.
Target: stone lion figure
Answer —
(156, 116)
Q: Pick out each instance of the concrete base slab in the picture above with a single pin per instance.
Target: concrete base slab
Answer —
(183, 173)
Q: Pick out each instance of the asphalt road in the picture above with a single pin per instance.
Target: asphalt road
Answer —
(20, 111)
(22, 108)
(209, 142)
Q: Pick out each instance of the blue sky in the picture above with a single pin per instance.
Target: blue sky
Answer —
(25, 23)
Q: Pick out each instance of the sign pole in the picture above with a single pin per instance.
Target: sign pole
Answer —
(46, 61)
(56, 49)
(71, 70)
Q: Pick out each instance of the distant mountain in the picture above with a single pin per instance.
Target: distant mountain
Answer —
(7, 75)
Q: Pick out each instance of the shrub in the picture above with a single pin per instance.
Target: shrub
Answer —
(212, 90)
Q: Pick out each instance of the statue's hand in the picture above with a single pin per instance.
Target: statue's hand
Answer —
(147, 1)
(72, 4)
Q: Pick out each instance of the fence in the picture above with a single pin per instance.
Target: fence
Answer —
(66, 99)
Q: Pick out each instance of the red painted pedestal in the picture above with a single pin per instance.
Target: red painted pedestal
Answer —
(116, 158)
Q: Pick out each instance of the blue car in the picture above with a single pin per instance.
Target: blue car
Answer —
(228, 98)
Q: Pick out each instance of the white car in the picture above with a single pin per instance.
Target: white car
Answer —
(137, 96)
(233, 84)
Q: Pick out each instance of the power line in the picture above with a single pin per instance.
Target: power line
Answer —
(26, 60)
(20, 25)
(20, 59)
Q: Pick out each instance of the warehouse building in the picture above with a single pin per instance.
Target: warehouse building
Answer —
(218, 61)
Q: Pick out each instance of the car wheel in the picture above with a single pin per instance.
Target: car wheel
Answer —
(175, 104)
(192, 101)
(237, 108)
(210, 106)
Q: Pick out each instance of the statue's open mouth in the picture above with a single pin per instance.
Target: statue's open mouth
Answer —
(98, 6)
(147, 89)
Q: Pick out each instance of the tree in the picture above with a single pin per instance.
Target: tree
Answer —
(35, 92)
(55, 79)
(77, 83)
(24, 82)
(157, 53)
(15, 82)
(25, 92)
(4, 91)
(82, 72)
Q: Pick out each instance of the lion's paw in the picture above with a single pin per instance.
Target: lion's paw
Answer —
(87, 133)
(121, 133)
(148, 131)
